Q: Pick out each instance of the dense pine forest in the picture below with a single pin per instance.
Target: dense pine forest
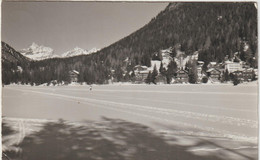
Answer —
(215, 30)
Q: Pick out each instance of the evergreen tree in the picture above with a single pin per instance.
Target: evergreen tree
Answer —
(193, 75)
(204, 79)
(235, 80)
(253, 76)
(146, 60)
(119, 74)
(126, 77)
(226, 75)
(173, 53)
(133, 76)
(149, 78)
(154, 74)
(162, 70)
(231, 76)
(172, 68)
(249, 56)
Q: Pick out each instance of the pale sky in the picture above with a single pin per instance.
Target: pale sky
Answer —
(65, 25)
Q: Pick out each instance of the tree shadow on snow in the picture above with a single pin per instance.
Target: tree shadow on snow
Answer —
(6, 130)
(112, 139)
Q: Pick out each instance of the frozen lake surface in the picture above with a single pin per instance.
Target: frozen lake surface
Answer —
(223, 117)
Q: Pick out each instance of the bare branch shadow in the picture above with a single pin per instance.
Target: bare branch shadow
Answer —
(6, 130)
(112, 139)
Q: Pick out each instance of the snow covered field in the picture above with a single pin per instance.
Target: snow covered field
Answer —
(208, 121)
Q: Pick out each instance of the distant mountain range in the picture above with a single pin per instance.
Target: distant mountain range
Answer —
(79, 51)
(212, 30)
(39, 52)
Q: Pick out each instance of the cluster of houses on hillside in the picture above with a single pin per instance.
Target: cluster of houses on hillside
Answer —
(243, 72)
(214, 73)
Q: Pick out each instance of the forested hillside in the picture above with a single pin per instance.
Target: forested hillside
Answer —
(13, 63)
(213, 29)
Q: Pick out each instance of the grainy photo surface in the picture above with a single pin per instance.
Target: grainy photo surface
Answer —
(129, 81)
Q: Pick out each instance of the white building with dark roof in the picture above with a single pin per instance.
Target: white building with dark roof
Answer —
(74, 75)
(233, 66)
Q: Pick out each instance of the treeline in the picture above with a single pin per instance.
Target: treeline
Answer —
(46, 71)
(215, 30)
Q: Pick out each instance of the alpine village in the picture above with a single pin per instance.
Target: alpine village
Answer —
(187, 43)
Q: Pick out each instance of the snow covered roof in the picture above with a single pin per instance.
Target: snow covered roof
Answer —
(211, 69)
(182, 71)
(248, 69)
(169, 50)
(75, 71)
(213, 63)
(143, 72)
(228, 62)
(144, 67)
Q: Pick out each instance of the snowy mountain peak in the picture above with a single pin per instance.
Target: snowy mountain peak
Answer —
(93, 50)
(34, 45)
(38, 52)
(78, 48)
(78, 51)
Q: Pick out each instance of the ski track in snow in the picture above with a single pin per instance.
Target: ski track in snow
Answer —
(217, 149)
(181, 103)
(169, 102)
(121, 107)
(186, 114)
(181, 92)
(160, 91)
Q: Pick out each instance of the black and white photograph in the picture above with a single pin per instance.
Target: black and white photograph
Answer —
(129, 80)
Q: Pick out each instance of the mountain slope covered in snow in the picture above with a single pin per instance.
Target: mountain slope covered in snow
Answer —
(38, 52)
(78, 51)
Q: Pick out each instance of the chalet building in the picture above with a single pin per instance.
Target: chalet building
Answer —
(239, 75)
(141, 76)
(73, 76)
(195, 56)
(233, 66)
(182, 76)
(166, 54)
(214, 74)
(141, 73)
(140, 68)
(256, 73)
(215, 65)
(180, 60)
(200, 63)
(212, 65)
(248, 74)
(201, 76)
(244, 65)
